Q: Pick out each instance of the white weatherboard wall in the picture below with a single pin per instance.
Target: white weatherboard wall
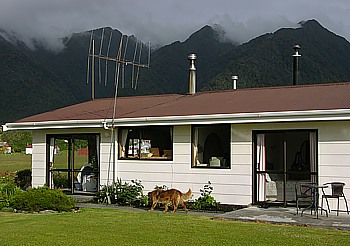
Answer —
(38, 158)
(334, 156)
(158, 172)
(231, 186)
(333, 149)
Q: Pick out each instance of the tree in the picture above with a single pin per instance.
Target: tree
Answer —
(18, 140)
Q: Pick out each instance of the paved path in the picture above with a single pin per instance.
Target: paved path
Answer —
(288, 216)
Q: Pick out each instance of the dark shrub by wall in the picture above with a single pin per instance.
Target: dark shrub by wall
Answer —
(43, 198)
(23, 179)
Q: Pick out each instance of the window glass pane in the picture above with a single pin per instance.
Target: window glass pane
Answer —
(146, 143)
(211, 146)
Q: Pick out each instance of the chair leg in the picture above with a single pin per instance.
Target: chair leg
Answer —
(346, 204)
(297, 207)
(329, 210)
(338, 208)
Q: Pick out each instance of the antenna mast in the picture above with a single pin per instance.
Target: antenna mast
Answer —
(120, 60)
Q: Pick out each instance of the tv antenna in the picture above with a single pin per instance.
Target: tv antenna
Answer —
(121, 60)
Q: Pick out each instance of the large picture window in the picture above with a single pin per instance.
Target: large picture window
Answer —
(211, 146)
(154, 142)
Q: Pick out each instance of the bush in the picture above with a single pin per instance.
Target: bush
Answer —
(43, 198)
(7, 192)
(23, 179)
(123, 193)
(8, 188)
(206, 201)
(6, 177)
(60, 180)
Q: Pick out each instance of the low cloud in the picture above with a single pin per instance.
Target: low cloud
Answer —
(163, 22)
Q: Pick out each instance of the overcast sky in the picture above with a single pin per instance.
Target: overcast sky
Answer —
(164, 21)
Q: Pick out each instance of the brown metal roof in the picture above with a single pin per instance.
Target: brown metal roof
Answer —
(256, 100)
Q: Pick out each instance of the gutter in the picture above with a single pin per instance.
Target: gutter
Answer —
(263, 117)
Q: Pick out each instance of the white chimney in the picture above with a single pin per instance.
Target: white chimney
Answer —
(192, 75)
(234, 82)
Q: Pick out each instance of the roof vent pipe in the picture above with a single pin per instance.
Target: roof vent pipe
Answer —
(234, 82)
(192, 75)
(296, 58)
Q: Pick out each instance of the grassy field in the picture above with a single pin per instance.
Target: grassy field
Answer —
(19, 161)
(121, 227)
(15, 162)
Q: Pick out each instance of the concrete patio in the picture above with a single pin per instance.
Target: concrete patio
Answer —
(288, 216)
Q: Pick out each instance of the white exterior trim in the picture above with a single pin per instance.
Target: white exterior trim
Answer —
(263, 117)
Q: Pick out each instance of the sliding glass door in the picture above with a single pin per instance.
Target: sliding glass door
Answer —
(73, 162)
(281, 159)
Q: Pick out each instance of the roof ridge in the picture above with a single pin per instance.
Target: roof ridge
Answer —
(227, 90)
(277, 87)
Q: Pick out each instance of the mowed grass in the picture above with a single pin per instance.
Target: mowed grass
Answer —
(124, 227)
(14, 162)
(20, 161)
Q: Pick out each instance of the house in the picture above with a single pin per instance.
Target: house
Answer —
(238, 139)
(29, 149)
(253, 145)
(5, 148)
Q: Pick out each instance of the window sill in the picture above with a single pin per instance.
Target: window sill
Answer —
(210, 167)
(147, 159)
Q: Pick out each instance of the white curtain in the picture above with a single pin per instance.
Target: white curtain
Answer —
(123, 142)
(261, 166)
(313, 157)
(195, 145)
(51, 157)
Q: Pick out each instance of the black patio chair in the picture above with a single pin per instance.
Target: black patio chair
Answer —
(337, 189)
(303, 194)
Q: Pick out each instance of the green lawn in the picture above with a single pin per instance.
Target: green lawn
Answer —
(14, 162)
(19, 161)
(119, 227)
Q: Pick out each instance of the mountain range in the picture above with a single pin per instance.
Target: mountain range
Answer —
(37, 80)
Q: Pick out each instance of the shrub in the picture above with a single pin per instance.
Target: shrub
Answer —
(206, 201)
(106, 192)
(43, 198)
(60, 180)
(8, 188)
(123, 193)
(7, 192)
(23, 178)
(161, 187)
(6, 177)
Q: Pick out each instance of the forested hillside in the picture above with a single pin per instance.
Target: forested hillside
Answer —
(33, 81)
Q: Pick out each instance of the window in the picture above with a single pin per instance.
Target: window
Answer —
(211, 146)
(146, 143)
(73, 162)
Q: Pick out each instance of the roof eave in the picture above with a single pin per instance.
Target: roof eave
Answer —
(262, 117)
(65, 124)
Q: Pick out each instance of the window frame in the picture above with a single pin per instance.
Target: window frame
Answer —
(145, 136)
(197, 146)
